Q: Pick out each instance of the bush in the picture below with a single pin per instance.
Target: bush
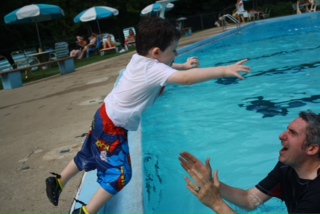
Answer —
(279, 9)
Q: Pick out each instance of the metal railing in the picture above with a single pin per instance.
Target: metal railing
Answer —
(224, 26)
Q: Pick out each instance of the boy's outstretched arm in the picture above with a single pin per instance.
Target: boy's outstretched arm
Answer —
(197, 75)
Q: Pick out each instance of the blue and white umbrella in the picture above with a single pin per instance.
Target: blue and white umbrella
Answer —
(96, 13)
(34, 13)
(157, 8)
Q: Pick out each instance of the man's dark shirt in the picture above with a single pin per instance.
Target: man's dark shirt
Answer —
(299, 195)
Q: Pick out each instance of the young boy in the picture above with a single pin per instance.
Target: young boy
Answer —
(106, 146)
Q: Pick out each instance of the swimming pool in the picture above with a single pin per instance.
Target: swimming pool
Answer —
(235, 123)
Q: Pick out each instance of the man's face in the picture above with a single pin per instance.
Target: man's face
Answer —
(293, 140)
(169, 54)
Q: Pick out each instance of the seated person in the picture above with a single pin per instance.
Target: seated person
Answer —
(108, 43)
(131, 38)
(92, 44)
(81, 43)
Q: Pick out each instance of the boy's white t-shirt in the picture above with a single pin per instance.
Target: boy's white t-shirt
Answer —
(137, 89)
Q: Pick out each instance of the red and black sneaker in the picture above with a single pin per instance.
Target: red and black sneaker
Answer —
(54, 188)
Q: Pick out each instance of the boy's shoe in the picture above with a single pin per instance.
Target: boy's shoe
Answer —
(82, 210)
(54, 188)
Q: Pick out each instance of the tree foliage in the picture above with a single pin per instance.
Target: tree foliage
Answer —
(15, 37)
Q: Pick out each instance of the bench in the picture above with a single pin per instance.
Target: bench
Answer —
(12, 78)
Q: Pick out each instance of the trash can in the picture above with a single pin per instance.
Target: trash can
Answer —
(11, 80)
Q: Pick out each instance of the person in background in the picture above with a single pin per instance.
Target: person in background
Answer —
(81, 43)
(142, 82)
(295, 179)
(240, 11)
(131, 37)
(92, 44)
(108, 43)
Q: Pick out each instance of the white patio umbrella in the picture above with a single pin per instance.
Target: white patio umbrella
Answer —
(96, 13)
(181, 19)
(156, 7)
(34, 13)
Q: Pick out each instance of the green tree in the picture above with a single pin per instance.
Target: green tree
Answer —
(14, 37)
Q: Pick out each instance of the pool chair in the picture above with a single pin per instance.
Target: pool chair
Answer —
(95, 49)
(107, 50)
(266, 13)
(61, 52)
(5, 65)
(22, 60)
(314, 4)
(303, 8)
(32, 60)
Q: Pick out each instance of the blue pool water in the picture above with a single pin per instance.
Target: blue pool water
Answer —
(235, 123)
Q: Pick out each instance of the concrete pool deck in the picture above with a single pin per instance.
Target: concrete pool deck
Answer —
(43, 125)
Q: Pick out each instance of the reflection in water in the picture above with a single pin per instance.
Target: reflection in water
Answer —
(153, 181)
(227, 81)
(274, 71)
(269, 108)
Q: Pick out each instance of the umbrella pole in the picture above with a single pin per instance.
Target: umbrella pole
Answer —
(38, 36)
(163, 7)
(98, 27)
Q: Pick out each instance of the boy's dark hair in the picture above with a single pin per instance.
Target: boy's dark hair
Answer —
(155, 32)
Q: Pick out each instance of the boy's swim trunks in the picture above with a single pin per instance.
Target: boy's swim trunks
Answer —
(106, 149)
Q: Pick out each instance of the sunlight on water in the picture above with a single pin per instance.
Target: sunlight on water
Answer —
(235, 123)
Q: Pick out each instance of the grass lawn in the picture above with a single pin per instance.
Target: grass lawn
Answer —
(54, 69)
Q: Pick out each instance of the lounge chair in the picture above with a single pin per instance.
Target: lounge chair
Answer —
(22, 60)
(31, 59)
(5, 65)
(314, 4)
(304, 7)
(266, 13)
(62, 51)
(110, 49)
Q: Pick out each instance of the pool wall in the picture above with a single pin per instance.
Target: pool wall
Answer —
(130, 199)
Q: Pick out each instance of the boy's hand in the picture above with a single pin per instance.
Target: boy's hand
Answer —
(234, 70)
(191, 63)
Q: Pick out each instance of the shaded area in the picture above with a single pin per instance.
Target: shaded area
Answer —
(269, 108)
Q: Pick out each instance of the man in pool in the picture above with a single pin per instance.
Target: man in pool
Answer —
(295, 179)
(106, 146)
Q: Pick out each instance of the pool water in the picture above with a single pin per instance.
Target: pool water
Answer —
(236, 123)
